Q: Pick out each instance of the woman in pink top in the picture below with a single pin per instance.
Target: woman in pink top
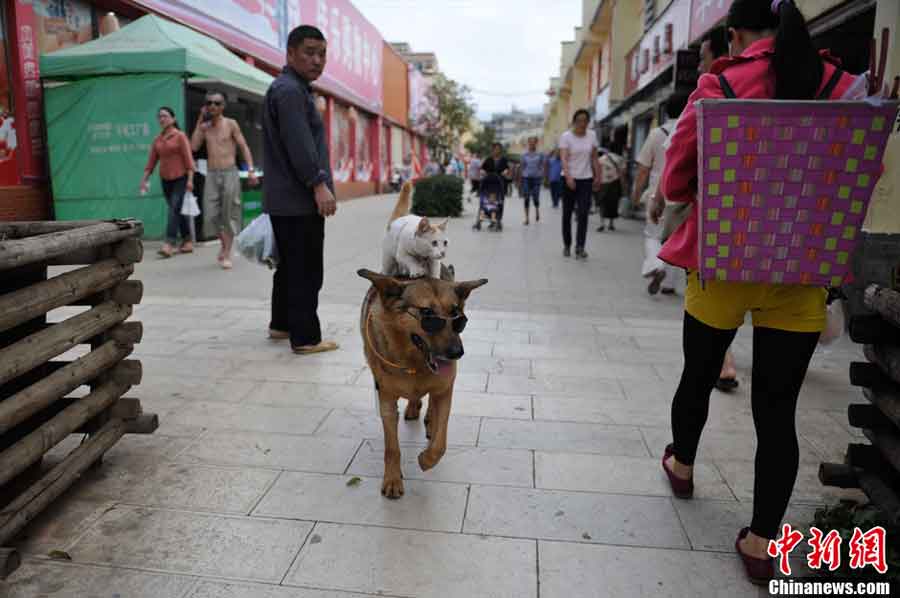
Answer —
(771, 56)
(172, 150)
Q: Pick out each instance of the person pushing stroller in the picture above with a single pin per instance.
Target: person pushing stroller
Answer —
(490, 204)
(497, 165)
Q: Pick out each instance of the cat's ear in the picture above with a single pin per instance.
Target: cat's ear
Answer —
(424, 227)
(443, 225)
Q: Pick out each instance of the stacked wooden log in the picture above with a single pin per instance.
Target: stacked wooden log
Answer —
(37, 406)
(873, 314)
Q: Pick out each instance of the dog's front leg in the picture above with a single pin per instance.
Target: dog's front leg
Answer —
(392, 485)
(438, 416)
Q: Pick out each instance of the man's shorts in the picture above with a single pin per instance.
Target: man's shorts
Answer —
(222, 199)
(723, 305)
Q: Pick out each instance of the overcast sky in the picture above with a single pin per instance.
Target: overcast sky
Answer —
(504, 50)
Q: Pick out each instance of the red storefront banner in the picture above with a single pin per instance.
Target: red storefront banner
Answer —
(260, 28)
(29, 131)
(705, 14)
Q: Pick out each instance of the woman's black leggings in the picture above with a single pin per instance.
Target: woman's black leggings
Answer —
(780, 360)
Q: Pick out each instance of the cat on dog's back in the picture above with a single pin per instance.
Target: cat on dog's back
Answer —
(412, 246)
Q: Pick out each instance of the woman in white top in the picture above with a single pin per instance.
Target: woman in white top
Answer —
(578, 150)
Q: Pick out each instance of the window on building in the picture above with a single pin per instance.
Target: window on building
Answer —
(649, 13)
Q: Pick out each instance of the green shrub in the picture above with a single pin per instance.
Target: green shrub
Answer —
(438, 196)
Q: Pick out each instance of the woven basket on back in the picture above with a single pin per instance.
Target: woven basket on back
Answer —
(784, 186)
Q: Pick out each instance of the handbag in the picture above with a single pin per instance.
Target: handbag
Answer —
(673, 216)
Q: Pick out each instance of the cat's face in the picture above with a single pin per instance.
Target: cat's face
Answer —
(431, 239)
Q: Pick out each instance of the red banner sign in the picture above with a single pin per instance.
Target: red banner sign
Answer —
(260, 29)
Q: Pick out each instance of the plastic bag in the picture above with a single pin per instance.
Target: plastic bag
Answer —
(257, 242)
(189, 206)
(834, 323)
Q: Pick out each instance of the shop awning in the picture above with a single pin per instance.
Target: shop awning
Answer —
(154, 45)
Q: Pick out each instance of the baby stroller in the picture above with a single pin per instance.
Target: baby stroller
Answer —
(490, 204)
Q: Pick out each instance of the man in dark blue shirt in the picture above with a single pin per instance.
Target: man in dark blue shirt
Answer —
(298, 192)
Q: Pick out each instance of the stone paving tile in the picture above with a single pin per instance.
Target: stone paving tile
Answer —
(574, 517)
(299, 394)
(722, 444)
(469, 382)
(722, 415)
(562, 436)
(317, 497)
(296, 372)
(59, 526)
(44, 579)
(215, 589)
(217, 388)
(276, 451)
(253, 418)
(192, 543)
(592, 571)
(620, 475)
(555, 385)
(494, 365)
(466, 465)
(714, 525)
(190, 367)
(827, 437)
(807, 490)
(356, 424)
(477, 404)
(153, 446)
(422, 564)
(530, 351)
(592, 369)
(138, 481)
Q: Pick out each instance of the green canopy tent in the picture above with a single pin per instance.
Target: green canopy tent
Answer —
(101, 100)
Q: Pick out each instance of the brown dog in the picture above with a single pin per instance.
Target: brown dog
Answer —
(410, 330)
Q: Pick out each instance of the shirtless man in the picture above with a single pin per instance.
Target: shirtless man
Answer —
(222, 190)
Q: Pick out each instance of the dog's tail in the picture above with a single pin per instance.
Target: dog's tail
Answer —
(404, 202)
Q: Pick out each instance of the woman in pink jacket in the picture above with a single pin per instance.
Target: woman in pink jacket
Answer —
(770, 56)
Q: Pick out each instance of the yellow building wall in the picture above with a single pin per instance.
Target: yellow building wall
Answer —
(884, 210)
(627, 28)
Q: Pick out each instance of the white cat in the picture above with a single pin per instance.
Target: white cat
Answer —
(413, 246)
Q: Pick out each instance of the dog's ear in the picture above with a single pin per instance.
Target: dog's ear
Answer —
(464, 288)
(424, 227)
(448, 273)
(388, 287)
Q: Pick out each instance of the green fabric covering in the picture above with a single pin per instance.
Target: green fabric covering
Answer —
(99, 133)
(154, 45)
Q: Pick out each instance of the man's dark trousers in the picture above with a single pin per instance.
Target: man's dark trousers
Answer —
(299, 276)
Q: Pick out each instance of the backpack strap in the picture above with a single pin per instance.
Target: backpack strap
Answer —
(726, 87)
(832, 83)
(664, 130)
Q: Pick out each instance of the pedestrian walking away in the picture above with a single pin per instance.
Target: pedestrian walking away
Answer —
(298, 192)
(554, 177)
(499, 165)
(651, 160)
(612, 183)
(772, 57)
(474, 176)
(578, 151)
(172, 150)
(533, 167)
(222, 188)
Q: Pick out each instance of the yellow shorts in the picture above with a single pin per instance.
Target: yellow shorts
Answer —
(723, 305)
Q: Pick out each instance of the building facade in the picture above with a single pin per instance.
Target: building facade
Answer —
(364, 91)
(628, 57)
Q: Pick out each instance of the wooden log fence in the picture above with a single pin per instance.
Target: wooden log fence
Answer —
(37, 411)
(873, 316)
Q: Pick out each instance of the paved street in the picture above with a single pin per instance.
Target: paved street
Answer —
(552, 486)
